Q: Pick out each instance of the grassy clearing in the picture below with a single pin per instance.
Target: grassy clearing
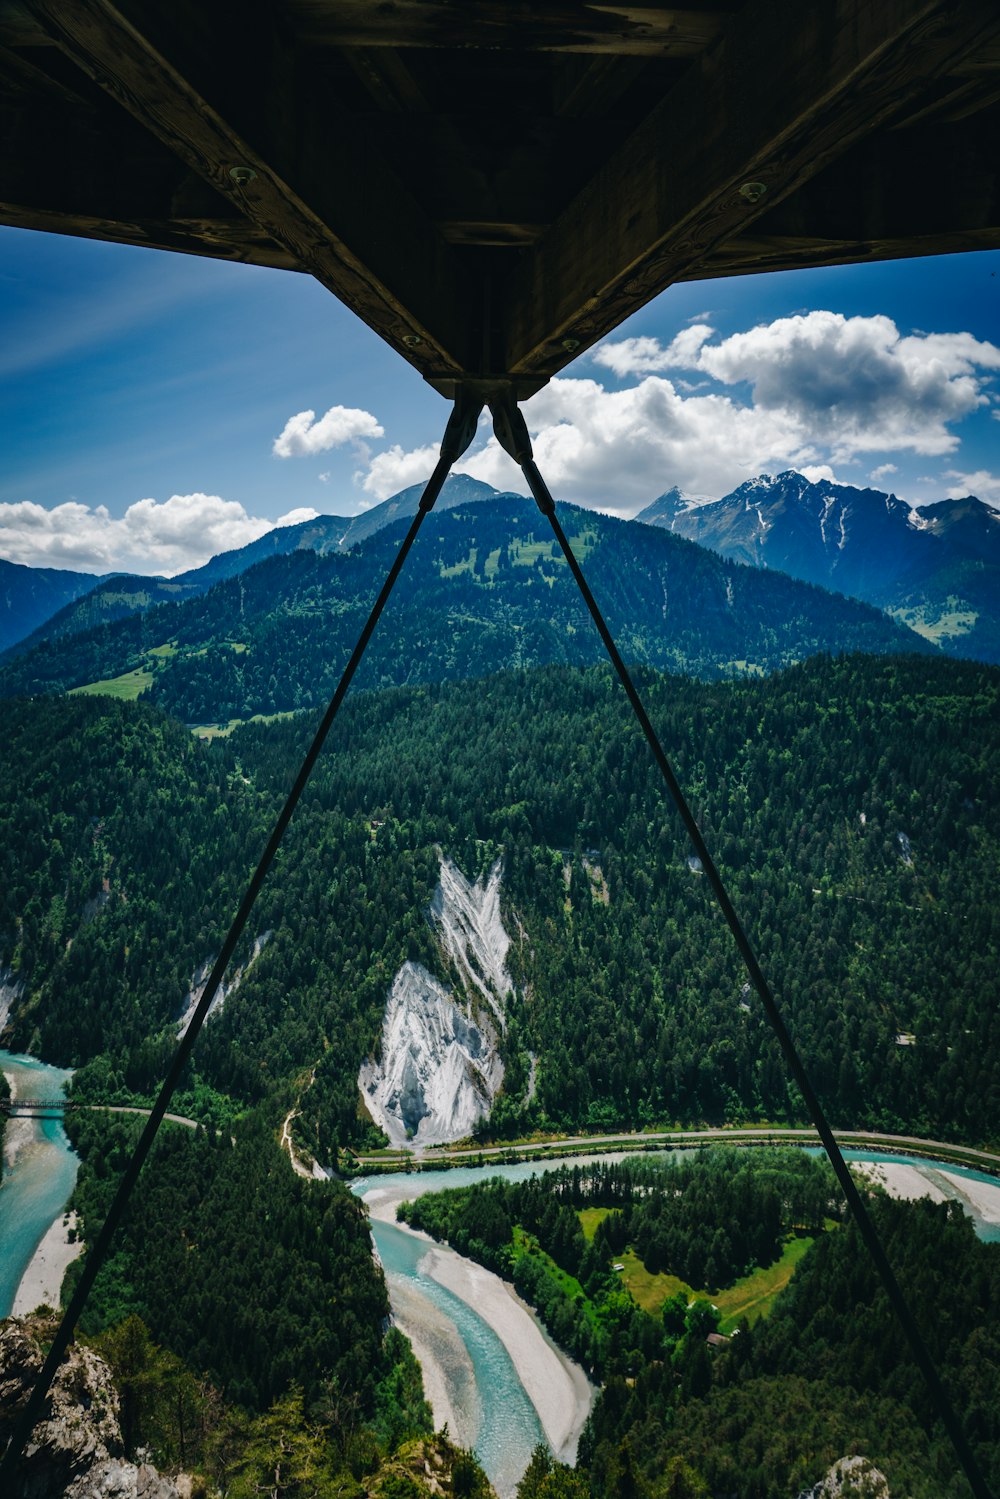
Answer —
(164, 652)
(745, 668)
(651, 1291)
(468, 565)
(526, 553)
(754, 1296)
(223, 730)
(937, 624)
(583, 544)
(525, 1243)
(127, 687)
(589, 1219)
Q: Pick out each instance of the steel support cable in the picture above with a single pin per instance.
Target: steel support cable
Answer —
(512, 433)
(460, 431)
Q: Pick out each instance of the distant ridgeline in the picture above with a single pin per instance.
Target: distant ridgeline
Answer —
(484, 590)
(935, 568)
(853, 805)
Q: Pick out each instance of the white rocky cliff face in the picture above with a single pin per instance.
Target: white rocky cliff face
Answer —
(226, 989)
(439, 1069)
(472, 932)
(10, 993)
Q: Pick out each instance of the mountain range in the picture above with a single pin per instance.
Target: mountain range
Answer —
(936, 568)
(31, 595)
(508, 836)
(485, 589)
(70, 602)
(936, 571)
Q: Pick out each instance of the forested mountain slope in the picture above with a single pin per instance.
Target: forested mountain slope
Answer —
(30, 595)
(936, 567)
(852, 805)
(122, 847)
(335, 533)
(483, 590)
(109, 600)
(37, 604)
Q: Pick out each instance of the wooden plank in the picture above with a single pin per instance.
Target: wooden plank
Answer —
(933, 182)
(85, 168)
(757, 254)
(20, 76)
(18, 28)
(635, 28)
(588, 86)
(219, 239)
(931, 190)
(316, 185)
(787, 90)
(387, 78)
(490, 232)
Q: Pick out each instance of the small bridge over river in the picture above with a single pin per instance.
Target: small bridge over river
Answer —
(55, 1108)
(37, 1108)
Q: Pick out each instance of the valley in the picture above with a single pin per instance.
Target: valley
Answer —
(485, 934)
(489, 1376)
(872, 945)
(484, 591)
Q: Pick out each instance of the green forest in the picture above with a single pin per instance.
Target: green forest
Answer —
(762, 1410)
(851, 803)
(709, 1220)
(485, 589)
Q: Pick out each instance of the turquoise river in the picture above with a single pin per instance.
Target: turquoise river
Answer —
(499, 1418)
(39, 1172)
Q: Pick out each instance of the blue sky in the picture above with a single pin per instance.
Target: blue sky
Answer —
(158, 408)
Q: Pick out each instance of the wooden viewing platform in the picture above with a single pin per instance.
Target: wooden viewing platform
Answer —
(494, 186)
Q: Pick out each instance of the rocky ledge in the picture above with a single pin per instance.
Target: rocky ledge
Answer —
(76, 1450)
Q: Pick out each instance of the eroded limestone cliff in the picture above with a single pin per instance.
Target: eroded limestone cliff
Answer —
(440, 1068)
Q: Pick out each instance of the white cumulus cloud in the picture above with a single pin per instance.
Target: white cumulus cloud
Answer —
(816, 473)
(617, 450)
(642, 356)
(983, 484)
(297, 516)
(855, 383)
(153, 536)
(397, 469)
(303, 435)
(813, 392)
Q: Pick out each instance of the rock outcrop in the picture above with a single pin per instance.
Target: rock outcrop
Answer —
(10, 993)
(472, 932)
(851, 1478)
(226, 989)
(76, 1450)
(439, 1068)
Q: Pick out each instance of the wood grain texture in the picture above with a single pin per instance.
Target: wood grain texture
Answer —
(787, 91)
(324, 195)
(485, 182)
(632, 29)
(219, 240)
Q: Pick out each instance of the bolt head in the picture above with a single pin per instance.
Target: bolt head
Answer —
(753, 191)
(242, 175)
